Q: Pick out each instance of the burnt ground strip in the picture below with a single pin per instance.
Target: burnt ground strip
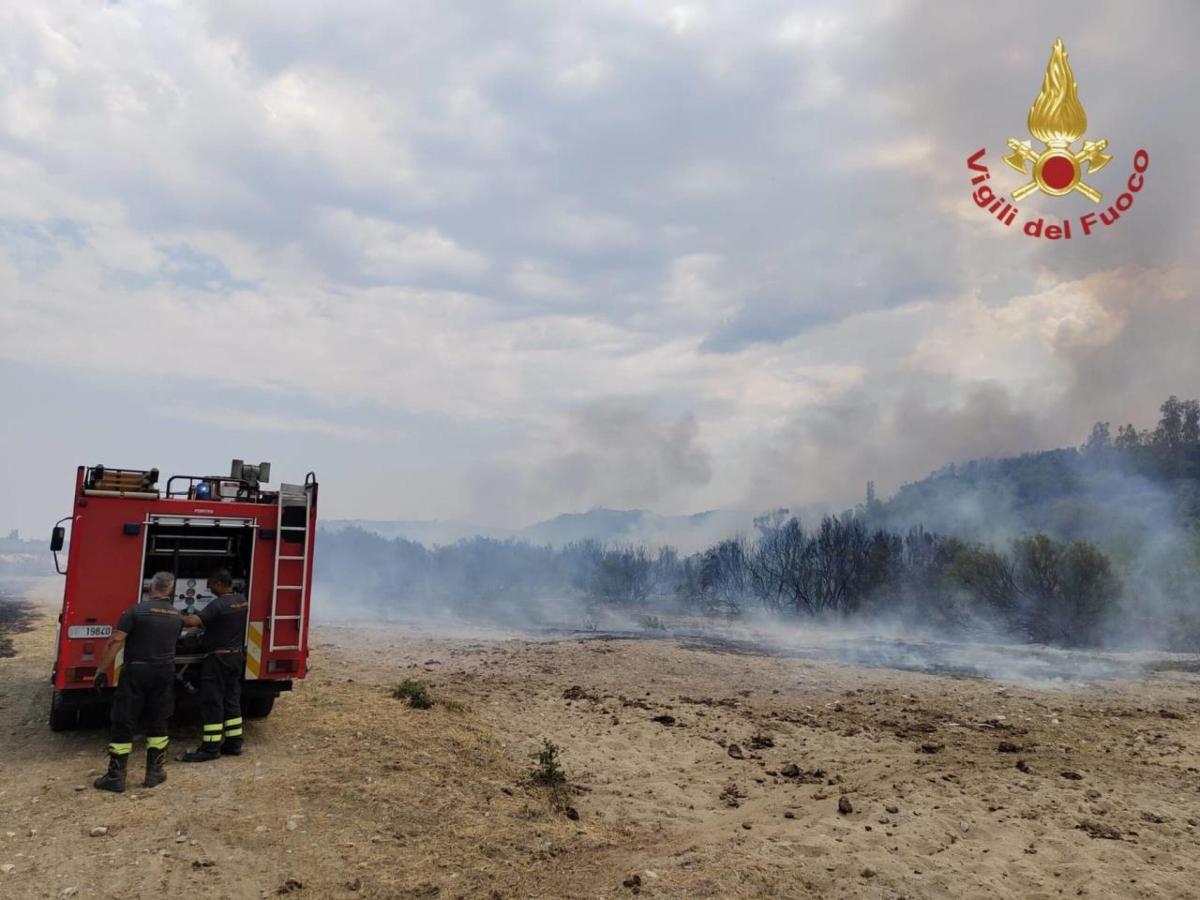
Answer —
(16, 617)
(945, 658)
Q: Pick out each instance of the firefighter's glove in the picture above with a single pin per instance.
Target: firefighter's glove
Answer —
(100, 682)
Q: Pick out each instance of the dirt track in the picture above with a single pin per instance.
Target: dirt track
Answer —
(346, 792)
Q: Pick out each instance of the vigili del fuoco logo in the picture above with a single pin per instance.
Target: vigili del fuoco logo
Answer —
(1057, 121)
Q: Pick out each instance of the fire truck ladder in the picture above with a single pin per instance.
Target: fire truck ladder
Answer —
(291, 568)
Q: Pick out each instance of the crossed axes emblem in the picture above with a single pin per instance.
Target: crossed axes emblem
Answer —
(1066, 168)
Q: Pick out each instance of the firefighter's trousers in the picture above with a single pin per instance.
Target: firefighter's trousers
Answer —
(145, 690)
(221, 695)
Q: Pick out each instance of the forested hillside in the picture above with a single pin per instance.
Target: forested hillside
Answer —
(1098, 545)
(1112, 489)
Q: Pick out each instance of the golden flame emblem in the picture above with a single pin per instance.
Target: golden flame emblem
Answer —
(1057, 119)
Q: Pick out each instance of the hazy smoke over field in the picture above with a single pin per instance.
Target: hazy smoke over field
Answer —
(481, 580)
(1078, 548)
(627, 451)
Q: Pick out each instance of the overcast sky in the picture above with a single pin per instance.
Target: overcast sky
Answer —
(495, 261)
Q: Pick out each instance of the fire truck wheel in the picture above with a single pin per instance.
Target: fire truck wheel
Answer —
(94, 715)
(258, 707)
(63, 716)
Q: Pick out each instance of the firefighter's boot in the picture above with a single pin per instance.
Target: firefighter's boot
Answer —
(155, 774)
(232, 746)
(210, 745)
(203, 753)
(114, 779)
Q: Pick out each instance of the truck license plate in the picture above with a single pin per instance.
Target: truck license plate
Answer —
(89, 631)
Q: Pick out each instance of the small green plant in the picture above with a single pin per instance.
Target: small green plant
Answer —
(549, 774)
(414, 692)
(549, 771)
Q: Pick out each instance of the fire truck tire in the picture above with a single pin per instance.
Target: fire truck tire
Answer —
(94, 715)
(63, 716)
(258, 707)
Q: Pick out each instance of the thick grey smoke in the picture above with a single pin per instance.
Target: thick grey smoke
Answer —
(1155, 317)
(629, 452)
(887, 436)
(623, 453)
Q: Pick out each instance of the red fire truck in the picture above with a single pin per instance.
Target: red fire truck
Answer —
(124, 528)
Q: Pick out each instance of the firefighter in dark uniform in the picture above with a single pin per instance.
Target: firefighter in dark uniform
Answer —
(148, 632)
(224, 621)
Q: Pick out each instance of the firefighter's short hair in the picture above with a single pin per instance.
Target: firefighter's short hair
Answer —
(162, 582)
(222, 576)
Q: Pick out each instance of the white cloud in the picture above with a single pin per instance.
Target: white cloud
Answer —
(1016, 343)
(813, 29)
(392, 252)
(750, 215)
(535, 279)
(255, 420)
(681, 17)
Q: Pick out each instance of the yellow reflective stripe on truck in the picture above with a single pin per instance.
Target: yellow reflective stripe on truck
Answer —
(254, 640)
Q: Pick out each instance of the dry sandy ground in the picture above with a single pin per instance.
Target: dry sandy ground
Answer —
(388, 801)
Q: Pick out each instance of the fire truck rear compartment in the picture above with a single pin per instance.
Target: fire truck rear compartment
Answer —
(192, 552)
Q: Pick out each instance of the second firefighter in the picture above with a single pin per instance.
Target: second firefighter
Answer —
(224, 622)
